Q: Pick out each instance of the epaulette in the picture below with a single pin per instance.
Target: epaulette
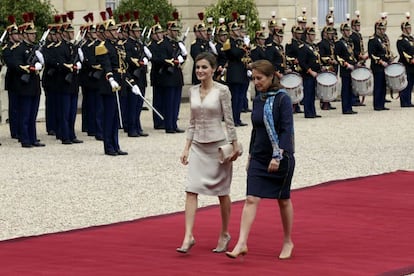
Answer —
(401, 37)
(58, 44)
(15, 45)
(4, 47)
(101, 49)
(50, 45)
(149, 43)
(226, 45)
(193, 42)
(160, 41)
(269, 44)
(301, 45)
(372, 36)
(91, 44)
(253, 47)
(121, 42)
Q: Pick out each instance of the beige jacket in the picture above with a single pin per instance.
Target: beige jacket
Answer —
(207, 114)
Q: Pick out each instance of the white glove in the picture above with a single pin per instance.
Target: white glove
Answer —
(114, 84)
(145, 60)
(38, 66)
(249, 73)
(246, 40)
(212, 47)
(81, 56)
(180, 59)
(135, 90)
(78, 65)
(147, 52)
(40, 57)
(182, 48)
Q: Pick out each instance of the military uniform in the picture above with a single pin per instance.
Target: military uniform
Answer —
(380, 58)
(137, 70)
(67, 77)
(345, 55)
(405, 46)
(109, 83)
(27, 84)
(309, 61)
(236, 75)
(90, 74)
(9, 81)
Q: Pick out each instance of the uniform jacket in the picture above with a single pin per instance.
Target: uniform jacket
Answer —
(377, 51)
(236, 69)
(309, 58)
(344, 54)
(405, 46)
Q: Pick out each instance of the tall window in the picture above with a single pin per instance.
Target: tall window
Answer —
(112, 3)
(341, 7)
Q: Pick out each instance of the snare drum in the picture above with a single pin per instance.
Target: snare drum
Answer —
(326, 86)
(396, 77)
(362, 81)
(292, 82)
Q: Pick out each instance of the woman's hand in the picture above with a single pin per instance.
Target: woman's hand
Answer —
(184, 157)
(236, 151)
(273, 165)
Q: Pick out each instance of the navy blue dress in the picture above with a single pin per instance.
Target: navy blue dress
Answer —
(260, 182)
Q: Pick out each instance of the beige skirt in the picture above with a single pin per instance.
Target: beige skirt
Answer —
(206, 175)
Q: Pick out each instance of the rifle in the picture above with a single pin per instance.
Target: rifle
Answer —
(178, 50)
(78, 43)
(3, 36)
(32, 59)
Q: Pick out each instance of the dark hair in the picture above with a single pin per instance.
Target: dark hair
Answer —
(267, 69)
(211, 59)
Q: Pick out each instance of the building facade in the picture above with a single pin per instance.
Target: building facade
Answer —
(370, 11)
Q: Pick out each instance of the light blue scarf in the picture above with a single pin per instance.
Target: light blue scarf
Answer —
(270, 123)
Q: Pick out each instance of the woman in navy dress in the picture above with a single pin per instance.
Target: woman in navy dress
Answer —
(271, 156)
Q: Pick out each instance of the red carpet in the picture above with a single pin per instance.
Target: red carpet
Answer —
(361, 226)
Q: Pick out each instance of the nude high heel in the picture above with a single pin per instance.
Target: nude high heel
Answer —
(286, 252)
(224, 248)
(232, 255)
(185, 250)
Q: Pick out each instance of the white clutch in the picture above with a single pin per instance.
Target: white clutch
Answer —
(225, 152)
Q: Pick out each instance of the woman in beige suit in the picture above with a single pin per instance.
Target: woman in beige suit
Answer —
(210, 102)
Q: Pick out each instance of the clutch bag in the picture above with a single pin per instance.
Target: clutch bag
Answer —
(225, 152)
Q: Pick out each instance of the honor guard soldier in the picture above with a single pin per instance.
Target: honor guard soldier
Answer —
(90, 75)
(359, 51)
(326, 51)
(138, 56)
(174, 54)
(380, 58)
(113, 68)
(199, 45)
(222, 36)
(276, 52)
(236, 75)
(211, 30)
(301, 21)
(309, 61)
(292, 52)
(246, 60)
(258, 51)
(157, 64)
(27, 63)
(271, 24)
(405, 46)
(347, 61)
(69, 66)
(10, 79)
(49, 77)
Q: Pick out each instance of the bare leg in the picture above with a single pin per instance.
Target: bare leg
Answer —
(191, 202)
(248, 216)
(286, 214)
(224, 238)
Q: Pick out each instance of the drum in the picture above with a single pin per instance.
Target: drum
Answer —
(362, 81)
(396, 77)
(326, 86)
(292, 82)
